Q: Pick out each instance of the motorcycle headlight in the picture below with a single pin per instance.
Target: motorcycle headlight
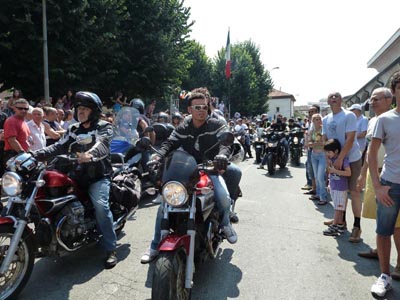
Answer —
(296, 140)
(12, 184)
(273, 144)
(175, 194)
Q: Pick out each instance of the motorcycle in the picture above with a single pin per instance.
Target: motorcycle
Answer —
(296, 145)
(276, 151)
(47, 214)
(123, 145)
(190, 228)
(260, 144)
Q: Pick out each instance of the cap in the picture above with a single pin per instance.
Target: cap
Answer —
(355, 106)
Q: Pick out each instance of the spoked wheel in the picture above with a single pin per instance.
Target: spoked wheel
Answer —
(169, 277)
(20, 269)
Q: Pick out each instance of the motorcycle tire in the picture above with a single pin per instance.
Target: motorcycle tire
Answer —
(296, 157)
(271, 164)
(21, 267)
(258, 155)
(169, 277)
(284, 160)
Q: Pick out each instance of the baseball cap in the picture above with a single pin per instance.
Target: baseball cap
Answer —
(355, 106)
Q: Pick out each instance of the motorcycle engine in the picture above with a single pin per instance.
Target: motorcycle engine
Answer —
(73, 228)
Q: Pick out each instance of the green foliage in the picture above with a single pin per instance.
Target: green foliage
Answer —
(248, 89)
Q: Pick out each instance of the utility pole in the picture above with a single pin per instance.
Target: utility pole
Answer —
(45, 55)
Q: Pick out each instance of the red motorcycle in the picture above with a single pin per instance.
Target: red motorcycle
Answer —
(190, 228)
(46, 215)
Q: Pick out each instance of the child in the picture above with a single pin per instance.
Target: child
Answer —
(338, 186)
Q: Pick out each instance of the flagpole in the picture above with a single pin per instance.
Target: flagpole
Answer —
(228, 69)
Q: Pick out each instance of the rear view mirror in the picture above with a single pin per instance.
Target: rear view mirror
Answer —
(226, 138)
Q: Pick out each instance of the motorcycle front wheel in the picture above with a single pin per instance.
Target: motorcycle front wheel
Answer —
(169, 277)
(20, 269)
(271, 164)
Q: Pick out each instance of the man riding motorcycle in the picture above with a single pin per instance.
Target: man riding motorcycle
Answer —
(94, 169)
(195, 135)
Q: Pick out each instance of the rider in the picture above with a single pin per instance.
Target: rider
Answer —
(195, 135)
(94, 160)
(144, 122)
(176, 119)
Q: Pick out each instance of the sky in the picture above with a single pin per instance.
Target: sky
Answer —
(318, 46)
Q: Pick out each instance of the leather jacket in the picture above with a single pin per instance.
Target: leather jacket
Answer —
(90, 172)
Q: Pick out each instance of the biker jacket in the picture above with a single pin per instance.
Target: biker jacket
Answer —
(100, 167)
(196, 141)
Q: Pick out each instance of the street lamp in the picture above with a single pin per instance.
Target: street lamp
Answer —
(274, 68)
(45, 55)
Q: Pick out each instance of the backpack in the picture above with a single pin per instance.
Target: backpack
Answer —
(125, 189)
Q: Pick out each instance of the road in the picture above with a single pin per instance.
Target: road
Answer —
(281, 254)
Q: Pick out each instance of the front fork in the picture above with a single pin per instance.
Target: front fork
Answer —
(19, 229)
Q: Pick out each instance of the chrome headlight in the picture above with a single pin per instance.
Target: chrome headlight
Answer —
(12, 184)
(274, 144)
(296, 140)
(174, 193)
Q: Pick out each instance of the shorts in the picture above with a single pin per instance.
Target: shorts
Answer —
(355, 168)
(339, 199)
(386, 216)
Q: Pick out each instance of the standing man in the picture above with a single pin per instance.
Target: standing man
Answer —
(387, 187)
(362, 127)
(38, 130)
(341, 124)
(16, 132)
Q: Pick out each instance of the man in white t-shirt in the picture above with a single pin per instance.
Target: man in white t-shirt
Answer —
(39, 130)
(341, 124)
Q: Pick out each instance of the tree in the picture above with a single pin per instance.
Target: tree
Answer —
(250, 84)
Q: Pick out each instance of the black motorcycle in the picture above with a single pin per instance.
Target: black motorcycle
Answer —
(276, 151)
(296, 140)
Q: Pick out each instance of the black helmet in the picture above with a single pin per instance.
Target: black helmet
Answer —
(138, 104)
(177, 115)
(162, 117)
(90, 100)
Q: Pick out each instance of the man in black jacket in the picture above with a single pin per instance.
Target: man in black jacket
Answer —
(94, 160)
(195, 135)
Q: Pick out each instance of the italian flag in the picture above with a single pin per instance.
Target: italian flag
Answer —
(228, 58)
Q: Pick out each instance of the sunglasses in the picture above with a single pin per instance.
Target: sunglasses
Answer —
(199, 107)
(22, 108)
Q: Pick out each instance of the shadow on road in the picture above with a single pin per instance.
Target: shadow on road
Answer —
(54, 278)
(280, 173)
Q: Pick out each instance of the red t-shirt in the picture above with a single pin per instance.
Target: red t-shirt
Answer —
(14, 127)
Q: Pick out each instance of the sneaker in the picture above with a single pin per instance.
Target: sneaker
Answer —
(111, 259)
(149, 256)
(355, 236)
(381, 286)
(396, 273)
(307, 187)
(157, 200)
(340, 228)
(233, 217)
(260, 167)
(230, 234)
(331, 231)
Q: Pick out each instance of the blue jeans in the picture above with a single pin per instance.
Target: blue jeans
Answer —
(222, 198)
(309, 168)
(386, 216)
(318, 161)
(99, 195)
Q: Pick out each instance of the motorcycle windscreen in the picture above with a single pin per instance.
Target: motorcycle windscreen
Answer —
(181, 167)
(126, 122)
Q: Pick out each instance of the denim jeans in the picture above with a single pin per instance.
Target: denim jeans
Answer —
(99, 195)
(318, 161)
(309, 168)
(386, 216)
(222, 198)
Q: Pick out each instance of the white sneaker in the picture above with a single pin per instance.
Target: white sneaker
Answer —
(149, 256)
(157, 200)
(230, 234)
(381, 286)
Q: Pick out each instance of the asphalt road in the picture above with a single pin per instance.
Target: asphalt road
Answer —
(281, 254)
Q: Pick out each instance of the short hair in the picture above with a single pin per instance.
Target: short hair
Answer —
(48, 110)
(395, 80)
(333, 145)
(194, 96)
(21, 101)
(387, 93)
(38, 109)
(204, 91)
(317, 107)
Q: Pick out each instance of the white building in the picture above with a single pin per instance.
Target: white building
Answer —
(386, 61)
(280, 102)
